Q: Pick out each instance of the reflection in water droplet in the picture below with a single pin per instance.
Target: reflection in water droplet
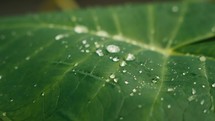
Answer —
(113, 48)
(80, 29)
(123, 63)
(99, 52)
(130, 57)
(202, 58)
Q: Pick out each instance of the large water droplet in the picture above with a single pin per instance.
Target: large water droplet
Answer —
(130, 57)
(113, 48)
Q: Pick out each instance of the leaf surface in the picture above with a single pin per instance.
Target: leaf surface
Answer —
(151, 62)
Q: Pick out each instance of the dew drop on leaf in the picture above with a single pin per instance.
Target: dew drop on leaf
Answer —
(115, 59)
(0, 76)
(126, 82)
(202, 58)
(134, 90)
(213, 85)
(193, 91)
(175, 9)
(168, 106)
(139, 106)
(123, 63)
(121, 118)
(112, 76)
(130, 57)
(4, 114)
(113, 48)
(61, 36)
(102, 33)
(16, 67)
(99, 52)
(80, 29)
(43, 94)
(202, 102)
(27, 58)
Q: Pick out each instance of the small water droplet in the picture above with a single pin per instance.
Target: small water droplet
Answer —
(107, 80)
(203, 86)
(183, 73)
(139, 106)
(121, 118)
(140, 71)
(131, 94)
(193, 91)
(170, 89)
(213, 85)
(126, 82)
(113, 48)
(175, 9)
(61, 36)
(169, 106)
(123, 63)
(99, 52)
(213, 29)
(43, 94)
(84, 42)
(87, 51)
(112, 76)
(134, 90)
(4, 114)
(205, 111)
(80, 29)
(35, 85)
(194, 82)
(115, 80)
(0, 76)
(191, 98)
(130, 57)
(162, 98)
(27, 58)
(115, 59)
(16, 67)
(11, 100)
(200, 68)
(124, 71)
(202, 58)
(202, 102)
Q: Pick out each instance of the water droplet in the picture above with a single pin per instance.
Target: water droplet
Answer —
(191, 98)
(140, 71)
(202, 102)
(194, 82)
(102, 33)
(87, 51)
(200, 68)
(16, 67)
(115, 80)
(183, 73)
(213, 29)
(202, 58)
(4, 114)
(43, 94)
(124, 71)
(126, 82)
(175, 9)
(84, 42)
(170, 89)
(112, 76)
(130, 57)
(27, 58)
(0, 76)
(131, 94)
(80, 29)
(99, 52)
(123, 63)
(107, 80)
(193, 91)
(113, 48)
(162, 98)
(213, 85)
(168, 106)
(61, 36)
(134, 90)
(35, 85)
(115, 59)
(139, 106)
(205, 111)
(121, 118)
(11, 100)
(203, 86)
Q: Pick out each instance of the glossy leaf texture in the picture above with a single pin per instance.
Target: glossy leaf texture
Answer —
(152, 62)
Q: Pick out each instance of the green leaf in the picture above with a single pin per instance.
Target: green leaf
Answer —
(151, 62)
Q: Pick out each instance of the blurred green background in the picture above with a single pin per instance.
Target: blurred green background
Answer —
(19, 7)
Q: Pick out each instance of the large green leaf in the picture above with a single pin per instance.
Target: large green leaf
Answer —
(131, 63)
